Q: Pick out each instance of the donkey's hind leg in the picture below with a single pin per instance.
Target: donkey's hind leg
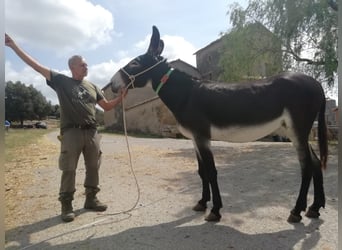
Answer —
(306, 163)
(319, 197)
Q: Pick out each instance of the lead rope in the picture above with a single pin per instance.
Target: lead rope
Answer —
(130, 160)
(130, 157)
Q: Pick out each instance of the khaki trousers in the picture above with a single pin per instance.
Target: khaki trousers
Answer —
(75, 141)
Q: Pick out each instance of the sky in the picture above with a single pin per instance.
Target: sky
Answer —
(108, 33)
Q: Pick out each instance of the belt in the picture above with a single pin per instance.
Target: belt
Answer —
(86, 126)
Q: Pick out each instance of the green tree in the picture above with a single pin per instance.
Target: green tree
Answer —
(307, 30)
(250, 52)
(40, 107)
(25, 103)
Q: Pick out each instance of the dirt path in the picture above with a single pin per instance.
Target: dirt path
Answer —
(259, 183)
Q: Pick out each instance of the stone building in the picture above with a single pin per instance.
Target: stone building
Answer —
(255, 36)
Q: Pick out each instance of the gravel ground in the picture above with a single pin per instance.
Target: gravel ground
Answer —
(259, 183)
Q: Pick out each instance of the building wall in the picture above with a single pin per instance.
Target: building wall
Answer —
(330, 112)
(256, 36)
(113, 118)
(207, 60)
(151, 117)
(187, 68)
(110, 117)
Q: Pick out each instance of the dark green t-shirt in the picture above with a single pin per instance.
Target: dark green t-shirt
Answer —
(77, 100)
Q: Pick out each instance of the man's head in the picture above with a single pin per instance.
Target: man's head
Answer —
(78, 67)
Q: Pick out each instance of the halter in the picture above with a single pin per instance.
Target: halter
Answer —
(164, 79)
(132, 77)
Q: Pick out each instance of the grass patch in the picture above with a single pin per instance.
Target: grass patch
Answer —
(26, 151)
(17, 139)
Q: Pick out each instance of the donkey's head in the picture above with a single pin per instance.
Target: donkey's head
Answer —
(136, 72)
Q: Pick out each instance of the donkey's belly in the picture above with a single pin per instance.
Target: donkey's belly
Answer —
(246, 133)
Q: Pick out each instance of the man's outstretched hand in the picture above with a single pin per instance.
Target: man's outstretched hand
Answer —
(8, 41)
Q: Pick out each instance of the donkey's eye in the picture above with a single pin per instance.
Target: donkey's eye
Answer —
(134, 63)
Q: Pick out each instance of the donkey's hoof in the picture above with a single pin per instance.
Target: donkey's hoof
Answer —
(199, 208)
(312, 214)
(294, 218)
(213, 217)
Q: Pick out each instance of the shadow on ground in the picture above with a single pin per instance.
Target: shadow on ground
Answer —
(178, 235)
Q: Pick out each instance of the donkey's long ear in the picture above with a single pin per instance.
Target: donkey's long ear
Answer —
(155, 42)
(160, 47)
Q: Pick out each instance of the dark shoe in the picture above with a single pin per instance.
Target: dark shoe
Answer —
(67, 214)
(92, 202)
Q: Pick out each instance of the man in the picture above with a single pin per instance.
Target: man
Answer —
(77, 99)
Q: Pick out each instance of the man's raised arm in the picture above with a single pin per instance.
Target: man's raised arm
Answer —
(44, 71)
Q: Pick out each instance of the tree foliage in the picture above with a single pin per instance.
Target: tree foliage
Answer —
(25, 103)
(307, 30)
(250, 52)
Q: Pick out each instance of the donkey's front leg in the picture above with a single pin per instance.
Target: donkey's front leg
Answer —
(201, 205)
(208, 174)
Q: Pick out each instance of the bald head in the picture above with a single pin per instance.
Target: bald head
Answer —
(74, 60)
(78, 67)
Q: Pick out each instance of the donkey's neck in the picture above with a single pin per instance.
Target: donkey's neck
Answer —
(175, 91)
(158, 74)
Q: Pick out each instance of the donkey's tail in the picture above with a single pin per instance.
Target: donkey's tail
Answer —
(322, 136)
